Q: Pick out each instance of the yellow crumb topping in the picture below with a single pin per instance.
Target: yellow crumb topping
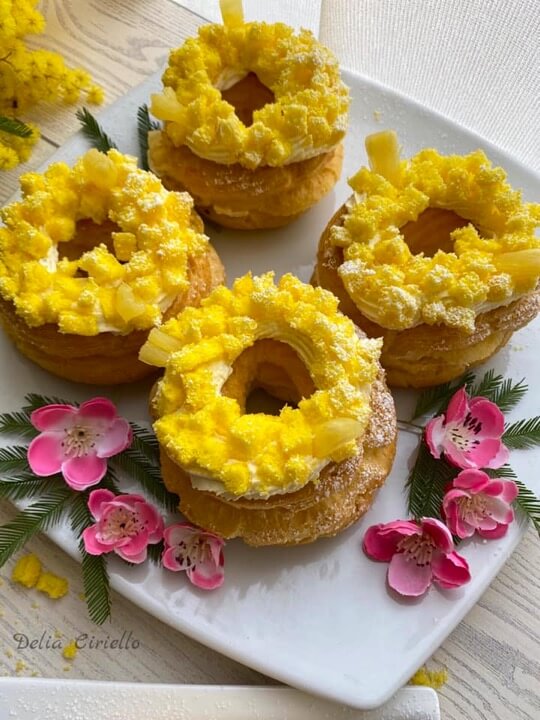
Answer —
(120, 286)
(429, 678)
(495, 257)
(258, 454)
(27, 571)
(70, 650)
(52, 585)
(308, 117)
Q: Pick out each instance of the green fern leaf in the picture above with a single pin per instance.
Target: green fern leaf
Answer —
(140, 468)
(440, 395)
(145, 442)
(155, 552)
(34, 401)
(12, 126)
(28, 486)
(503, 472)
(93, 132)
(144, 126)
(529, 504)
(17, 423)
(427, 483)
(36, 518)
(522, 434)
(13, 460)
(96, 586)
(504, 393)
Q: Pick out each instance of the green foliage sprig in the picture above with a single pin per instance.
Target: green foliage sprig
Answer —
(144, 126)
(430, 476)
(93, 132)
(58, 501)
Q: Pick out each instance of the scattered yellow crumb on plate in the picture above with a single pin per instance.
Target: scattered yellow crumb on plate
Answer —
(9, 653)
(27, 571)
(20, 667)
(58, 633)
(52, 585)
(70, 651)
(377, 115)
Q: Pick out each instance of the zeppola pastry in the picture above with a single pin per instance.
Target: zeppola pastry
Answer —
(91, 258)
(284, 479)
(437, 255)
(254, 115)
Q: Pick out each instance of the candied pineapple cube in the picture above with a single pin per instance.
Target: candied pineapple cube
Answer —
(383, 152)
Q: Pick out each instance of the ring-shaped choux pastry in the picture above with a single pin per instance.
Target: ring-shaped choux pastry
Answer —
(254, 115)
(91, 258)
(289, 478)
(437, 255)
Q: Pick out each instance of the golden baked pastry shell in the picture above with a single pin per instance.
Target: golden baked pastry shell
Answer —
(425, 355)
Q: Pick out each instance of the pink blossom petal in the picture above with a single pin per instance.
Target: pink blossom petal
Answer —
(97, 500)
(510, 491)
(408, 578)
(381, 541)
(494, 488)
(134, 545)
(455, 523)
(499, 510)
(498, 532)
(53, 418)
(136, 559)
(435, 436)
(457, 457)
(91, 543)
(152, 519)
(206, 575)
(457, 407)
(100, 409)
(490, 416)
(170, 560)
(115, 439)
(485, 453)
(473, 480)
(451, 570)
(179, 533)
(500, 458)
(216, 544)
(83, 472)
(45, 454)
(439, 532)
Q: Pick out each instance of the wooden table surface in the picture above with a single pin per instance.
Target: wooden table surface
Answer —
(493, 657)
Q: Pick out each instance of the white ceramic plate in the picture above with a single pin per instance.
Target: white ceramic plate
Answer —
(317, 617)
(31, 699)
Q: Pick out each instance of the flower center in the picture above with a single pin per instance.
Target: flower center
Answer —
(79, 440)
(473, 509)
(417, 548)
(463, 434)
(122, 523)
(191, 553)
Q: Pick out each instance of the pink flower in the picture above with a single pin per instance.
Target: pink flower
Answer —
(469, 434)
(126, 525)
(418, 553)
(77, 441)
(478, 503)
(198, 552)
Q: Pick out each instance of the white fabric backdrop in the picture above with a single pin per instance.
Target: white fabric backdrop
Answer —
(476, 61)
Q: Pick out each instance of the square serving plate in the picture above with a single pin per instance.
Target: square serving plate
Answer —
(316, 617)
